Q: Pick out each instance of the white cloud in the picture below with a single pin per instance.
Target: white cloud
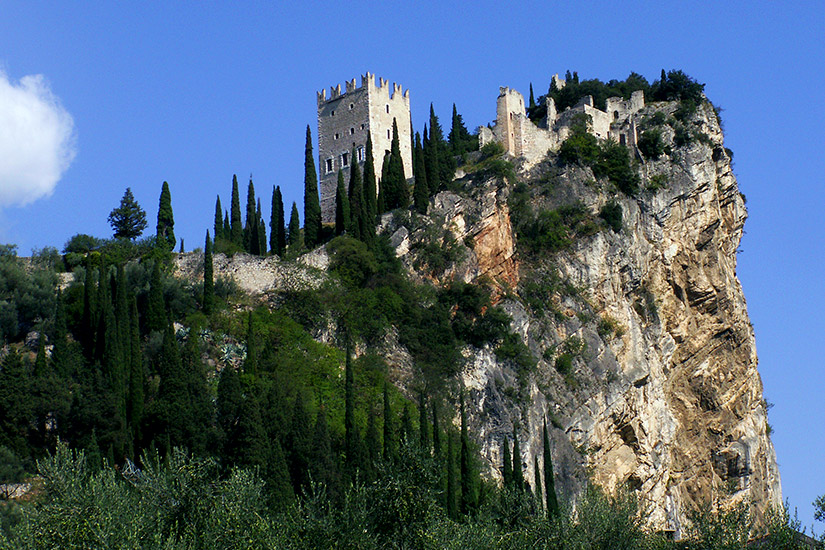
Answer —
(37, 140)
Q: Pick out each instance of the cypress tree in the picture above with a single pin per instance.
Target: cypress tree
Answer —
(88, 323)
(357, 226)
(236, 228)
(228, 404)
(104, 304)
(538, 491)
(156, 312)
(423, 424)
(370, 197)
(532, 99)
(218, 219)
(261, 231)
(341, 206)
(442, 158)
(431, 163)
(322, 464)
(250, 446)
(134, 412)
(396, 192)
(406, 431)
(227, 230)
(372, 442)
(312, 205)
(250, 364)
(208, 277)
(350, 430)
(389, 428)
(299, 445)
(61, 357)
(549, 482)
(166, 221)
(278, 483)
(380, 203)
(421, 192)
(436, 431)
(518, 473)
(452, 504)
(294, 229)
(458, 137)
(249, 229)
(507, 473)
(468, 485)
(277, 235)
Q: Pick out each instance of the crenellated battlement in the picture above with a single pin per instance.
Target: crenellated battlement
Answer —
(346, 117)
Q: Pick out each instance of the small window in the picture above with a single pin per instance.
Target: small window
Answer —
(329, 166)
(351, 106)
(352, 131)
(615, 115)
(332, 113)
(389, 135)
(363, 126)
(388, 107)
(344, 160)
(336, 135)
(360, 154)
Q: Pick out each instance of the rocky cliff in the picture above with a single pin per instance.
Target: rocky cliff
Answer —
(646, 368)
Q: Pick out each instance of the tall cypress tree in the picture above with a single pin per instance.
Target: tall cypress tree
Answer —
(441, 156)
(228, 405)
(468, 485)
(459, 138)
(549, 481)
(452, 504)
(166, 221)
(350, 430)
(312, 205)
(423, 424)
(208, 277)
(88, 323)
(250, 364)
(299, 445)
(532, 99)
(507, 466)
(421, 192)
(436, 431)
(156, 312)
(431, 163)
(134, 412)
(538, 490)
(261, 230)
(218, 219)
(294, 229)
(250, 231)
(406, 431)
(341, 205)
(518, 473)
(277, 236)
(357, 225)
(389, 427)
(396, 192)
(227, 228)
(370, 197)
(372, 443)
(236, 228)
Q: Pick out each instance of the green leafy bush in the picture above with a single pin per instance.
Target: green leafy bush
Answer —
(611, 213)
(651, 144)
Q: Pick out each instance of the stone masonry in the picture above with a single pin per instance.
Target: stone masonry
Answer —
(522, 138)
(345, 118)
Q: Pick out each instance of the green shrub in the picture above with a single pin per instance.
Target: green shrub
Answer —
(564, 364)
(611, 213)
(490, 150)
(657, 181)
(651, 145)
(580, 148)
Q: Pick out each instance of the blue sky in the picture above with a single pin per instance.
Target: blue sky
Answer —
(194, 92)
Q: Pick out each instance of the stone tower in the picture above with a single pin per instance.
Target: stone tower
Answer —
(343, 122)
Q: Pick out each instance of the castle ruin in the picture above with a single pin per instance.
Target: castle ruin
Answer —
(345, 118)
(520, 137)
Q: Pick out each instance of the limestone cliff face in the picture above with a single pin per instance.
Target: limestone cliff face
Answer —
(664, 393)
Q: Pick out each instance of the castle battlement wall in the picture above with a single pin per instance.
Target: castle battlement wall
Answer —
(345, 118)
(521, 137)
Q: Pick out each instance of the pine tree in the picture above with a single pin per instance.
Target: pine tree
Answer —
(128, 220)
(277, 235)
(341, 205)
(166, 221)
(421, 192)
(236, 228)
(208, 277)
(357, 226)
(389, 428)
(549, 482)
(312, 205)
(507, 467)
(156, 312)
(518, 473)
(261, 230)
(218, 219)
(394, 186)
(539, 494)
(249, 229)
(370, 197)
(294, 229)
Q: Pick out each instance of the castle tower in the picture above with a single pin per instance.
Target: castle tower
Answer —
(343, 122)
